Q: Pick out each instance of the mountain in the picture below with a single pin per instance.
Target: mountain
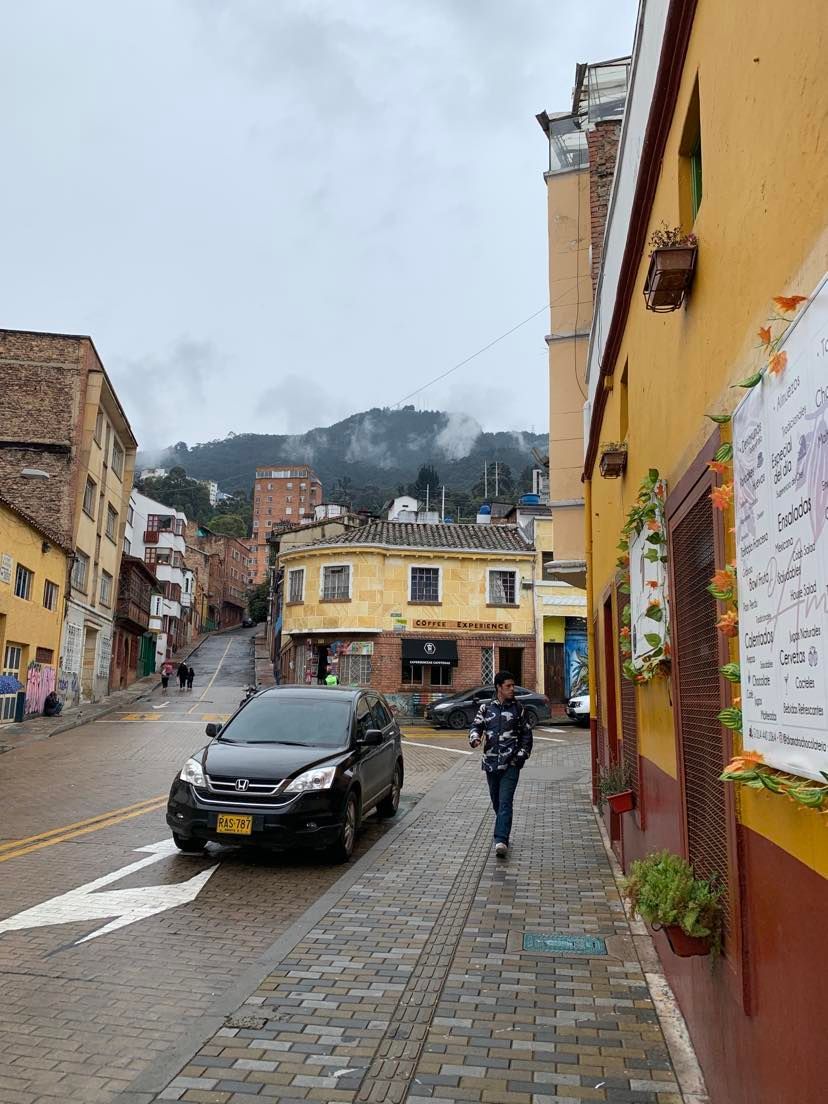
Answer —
(371, 454)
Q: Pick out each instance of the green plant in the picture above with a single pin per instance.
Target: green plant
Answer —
(613, 779)
(614, 446)
(667, 237)
(663, 889)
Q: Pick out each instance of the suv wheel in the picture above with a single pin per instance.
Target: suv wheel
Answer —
(391, 802)
(531, 717)
(184, 843)
(344, 847)
(457, 719)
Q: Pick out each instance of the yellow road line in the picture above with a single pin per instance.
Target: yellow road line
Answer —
(80, 828)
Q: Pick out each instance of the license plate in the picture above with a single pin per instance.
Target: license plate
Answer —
(235, 825)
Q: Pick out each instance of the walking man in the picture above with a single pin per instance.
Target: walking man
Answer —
(190, 677)
(500, 725)
(182, 675)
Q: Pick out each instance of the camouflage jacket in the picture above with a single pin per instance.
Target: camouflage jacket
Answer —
(507, 738)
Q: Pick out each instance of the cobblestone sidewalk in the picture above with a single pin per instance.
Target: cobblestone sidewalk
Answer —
(415, 986)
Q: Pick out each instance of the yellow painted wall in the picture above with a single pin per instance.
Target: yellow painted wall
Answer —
(761, 230)
(29, 622)
(379, 581)
(554, 630)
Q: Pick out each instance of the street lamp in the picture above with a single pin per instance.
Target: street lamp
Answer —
(34, 473)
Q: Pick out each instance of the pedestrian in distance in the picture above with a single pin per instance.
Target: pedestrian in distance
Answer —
(52, 705)
(182, 675)
(166, 671)
(331, 679)
(190, 677)
(500, 725)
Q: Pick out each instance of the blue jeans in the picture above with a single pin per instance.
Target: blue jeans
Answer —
(502, 786)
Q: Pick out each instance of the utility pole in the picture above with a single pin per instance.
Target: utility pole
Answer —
(428, 488)
(497, 485)
(443, 507)
(486, 480)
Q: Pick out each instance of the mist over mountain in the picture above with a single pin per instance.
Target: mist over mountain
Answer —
(374, 453)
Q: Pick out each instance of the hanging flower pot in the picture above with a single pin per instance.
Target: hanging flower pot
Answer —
(672, 267)
(613, 461)
(684, 945)
(622, 802)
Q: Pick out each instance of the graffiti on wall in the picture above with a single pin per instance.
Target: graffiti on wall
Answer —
(40, 681)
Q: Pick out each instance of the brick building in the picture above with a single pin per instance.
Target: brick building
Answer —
(413, 610)
(230, 574)
(60, 416)
(281, 494)
(133, 647)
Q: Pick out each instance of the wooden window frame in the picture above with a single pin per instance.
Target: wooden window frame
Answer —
(639, 815)
(697, 483)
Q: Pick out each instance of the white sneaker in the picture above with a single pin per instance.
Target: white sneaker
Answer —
(501, 850)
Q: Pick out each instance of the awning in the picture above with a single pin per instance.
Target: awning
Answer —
(438, 653)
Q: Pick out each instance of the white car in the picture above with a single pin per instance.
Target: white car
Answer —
(577, 709)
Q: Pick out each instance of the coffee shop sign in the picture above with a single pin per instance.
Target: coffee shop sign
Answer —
(463, 626)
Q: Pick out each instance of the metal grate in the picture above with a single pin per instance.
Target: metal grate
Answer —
(629, 719)
(599, 720)
(697, 659)
(487, 670)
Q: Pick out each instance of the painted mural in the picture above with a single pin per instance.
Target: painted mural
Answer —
(40, 681)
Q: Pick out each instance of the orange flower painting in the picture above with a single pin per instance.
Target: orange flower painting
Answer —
(722, 580)
(776, 364)
(786, 303)
(717, 466)
(765, 335)
(728, 623)
(653, 525)
(722, 497)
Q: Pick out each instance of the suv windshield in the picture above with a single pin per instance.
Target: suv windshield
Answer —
(289, 719)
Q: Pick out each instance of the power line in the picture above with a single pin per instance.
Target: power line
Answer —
(472, 357)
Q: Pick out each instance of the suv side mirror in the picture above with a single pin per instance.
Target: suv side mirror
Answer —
(213, 730)
(371, 738)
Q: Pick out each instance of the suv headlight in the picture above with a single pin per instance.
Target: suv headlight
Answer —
(193, 773)
(319, 779)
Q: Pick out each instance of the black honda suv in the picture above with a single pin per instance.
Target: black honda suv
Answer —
(295, 766)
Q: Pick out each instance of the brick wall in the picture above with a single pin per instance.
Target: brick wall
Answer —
(41, 418)
(602, 144)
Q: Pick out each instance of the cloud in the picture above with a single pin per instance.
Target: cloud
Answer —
(365, 444)
(296, 404)
(457, 437)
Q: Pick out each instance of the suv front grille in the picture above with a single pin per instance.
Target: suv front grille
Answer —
(223, 791)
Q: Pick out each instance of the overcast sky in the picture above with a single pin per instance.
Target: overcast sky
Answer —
(270, 214)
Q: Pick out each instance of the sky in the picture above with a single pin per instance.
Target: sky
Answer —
(271, 214)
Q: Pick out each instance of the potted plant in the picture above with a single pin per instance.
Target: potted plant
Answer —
(672, 267)
(613, 459)
(614, 788)
(663, 889)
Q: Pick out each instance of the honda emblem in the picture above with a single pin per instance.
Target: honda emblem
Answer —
(242, 783)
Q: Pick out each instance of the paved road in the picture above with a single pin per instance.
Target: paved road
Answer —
(84, 1010)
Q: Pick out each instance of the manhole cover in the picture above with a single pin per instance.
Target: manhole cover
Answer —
(250, 1023)
(542, 943)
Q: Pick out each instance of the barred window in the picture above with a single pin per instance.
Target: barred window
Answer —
(50, 595)
(487, 671)
(296, 585)
(502, 588)
(106, 588)
(425, 584)
(80, 571)
(336, 582)
(89, 497)
(354, 670)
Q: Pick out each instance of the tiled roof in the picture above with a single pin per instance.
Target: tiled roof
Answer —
(407, 534)
(54, 535)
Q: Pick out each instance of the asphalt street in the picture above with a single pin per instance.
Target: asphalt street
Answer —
(111, 943)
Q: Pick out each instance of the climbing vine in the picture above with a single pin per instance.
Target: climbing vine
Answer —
(748, 768)
(647, 514)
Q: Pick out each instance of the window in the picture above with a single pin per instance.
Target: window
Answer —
(696, 177)
(270, 498)
(690, 163)
(50, 595)
(502, 588)
(424, 584)
(127, 547)
(111, 523)
(382, 718)
(336, 582)
(23, 582)
(288, 498)
(99, 426)
(302, 486)
(130, 515)
(296, 585)
(288, 510)
(80, 572)
(624, 405)
(290, 486)
(364, 721)
(89, 497)
(354, 670)
(106, 588)
(301, 509)
(487, 669)
(422, 674)
(44, 655)
(117, 458)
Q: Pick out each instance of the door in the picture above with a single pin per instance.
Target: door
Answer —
(370, 758)
(511, 660)
(12, 660)
(90, 649)
(387, 726)
(554, 685)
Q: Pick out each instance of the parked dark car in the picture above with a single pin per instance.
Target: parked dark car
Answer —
(248, 623)
(295, 766)
(458, 710)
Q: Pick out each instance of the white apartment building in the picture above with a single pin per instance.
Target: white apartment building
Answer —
(158, 537)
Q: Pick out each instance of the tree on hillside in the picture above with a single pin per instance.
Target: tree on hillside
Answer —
(428, 478)
(231, 525)
(239, 505)
(524, 485)
(343, 490)
(180, 493)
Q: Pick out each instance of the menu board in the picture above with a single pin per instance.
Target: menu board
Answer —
(780, 442)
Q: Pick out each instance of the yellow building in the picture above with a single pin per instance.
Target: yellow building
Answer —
(410, 609)
(724, 138)
(33, 573)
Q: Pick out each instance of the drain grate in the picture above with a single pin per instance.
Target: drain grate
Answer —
(544, 943)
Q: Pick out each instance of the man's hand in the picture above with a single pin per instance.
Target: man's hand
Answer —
(474, 741)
